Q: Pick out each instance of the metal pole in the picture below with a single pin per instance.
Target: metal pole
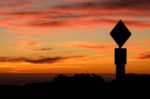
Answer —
(120, 72)
(120, 61)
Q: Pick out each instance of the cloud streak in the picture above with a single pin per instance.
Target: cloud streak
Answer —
(44, 49)
(89, 45)
(39, 60)
(28, 60)
(107, 4)
(144, 56)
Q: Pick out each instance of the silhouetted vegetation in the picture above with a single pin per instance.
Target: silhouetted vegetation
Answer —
(81, 86)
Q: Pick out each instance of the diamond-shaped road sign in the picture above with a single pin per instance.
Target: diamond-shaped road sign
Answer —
(120, 33)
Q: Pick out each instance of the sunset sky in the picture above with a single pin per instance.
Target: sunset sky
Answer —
(71, 36)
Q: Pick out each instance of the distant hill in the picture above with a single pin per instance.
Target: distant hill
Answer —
(81, 86)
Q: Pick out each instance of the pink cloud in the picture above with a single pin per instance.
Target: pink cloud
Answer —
(28, 45)
(89, 45)
(37, 14)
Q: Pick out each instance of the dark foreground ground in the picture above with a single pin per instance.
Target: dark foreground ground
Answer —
(81, 86)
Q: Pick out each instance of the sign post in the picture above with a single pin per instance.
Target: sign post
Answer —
(120, 34)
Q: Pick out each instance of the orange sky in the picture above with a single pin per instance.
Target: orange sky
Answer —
(71, 36)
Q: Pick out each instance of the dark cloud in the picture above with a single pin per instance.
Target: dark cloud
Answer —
(30, 60)
(129, 7)
(110, 4)
(47, 60)
(43, 49)
(25, 13)
(45, 23)
(128, 3)
(145, 56)
(70, 22)
(69, 15)
(41, 60)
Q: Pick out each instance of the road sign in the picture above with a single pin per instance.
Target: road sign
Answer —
(120, 34)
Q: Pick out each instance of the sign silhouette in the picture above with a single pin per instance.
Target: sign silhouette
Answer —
(120, 33)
